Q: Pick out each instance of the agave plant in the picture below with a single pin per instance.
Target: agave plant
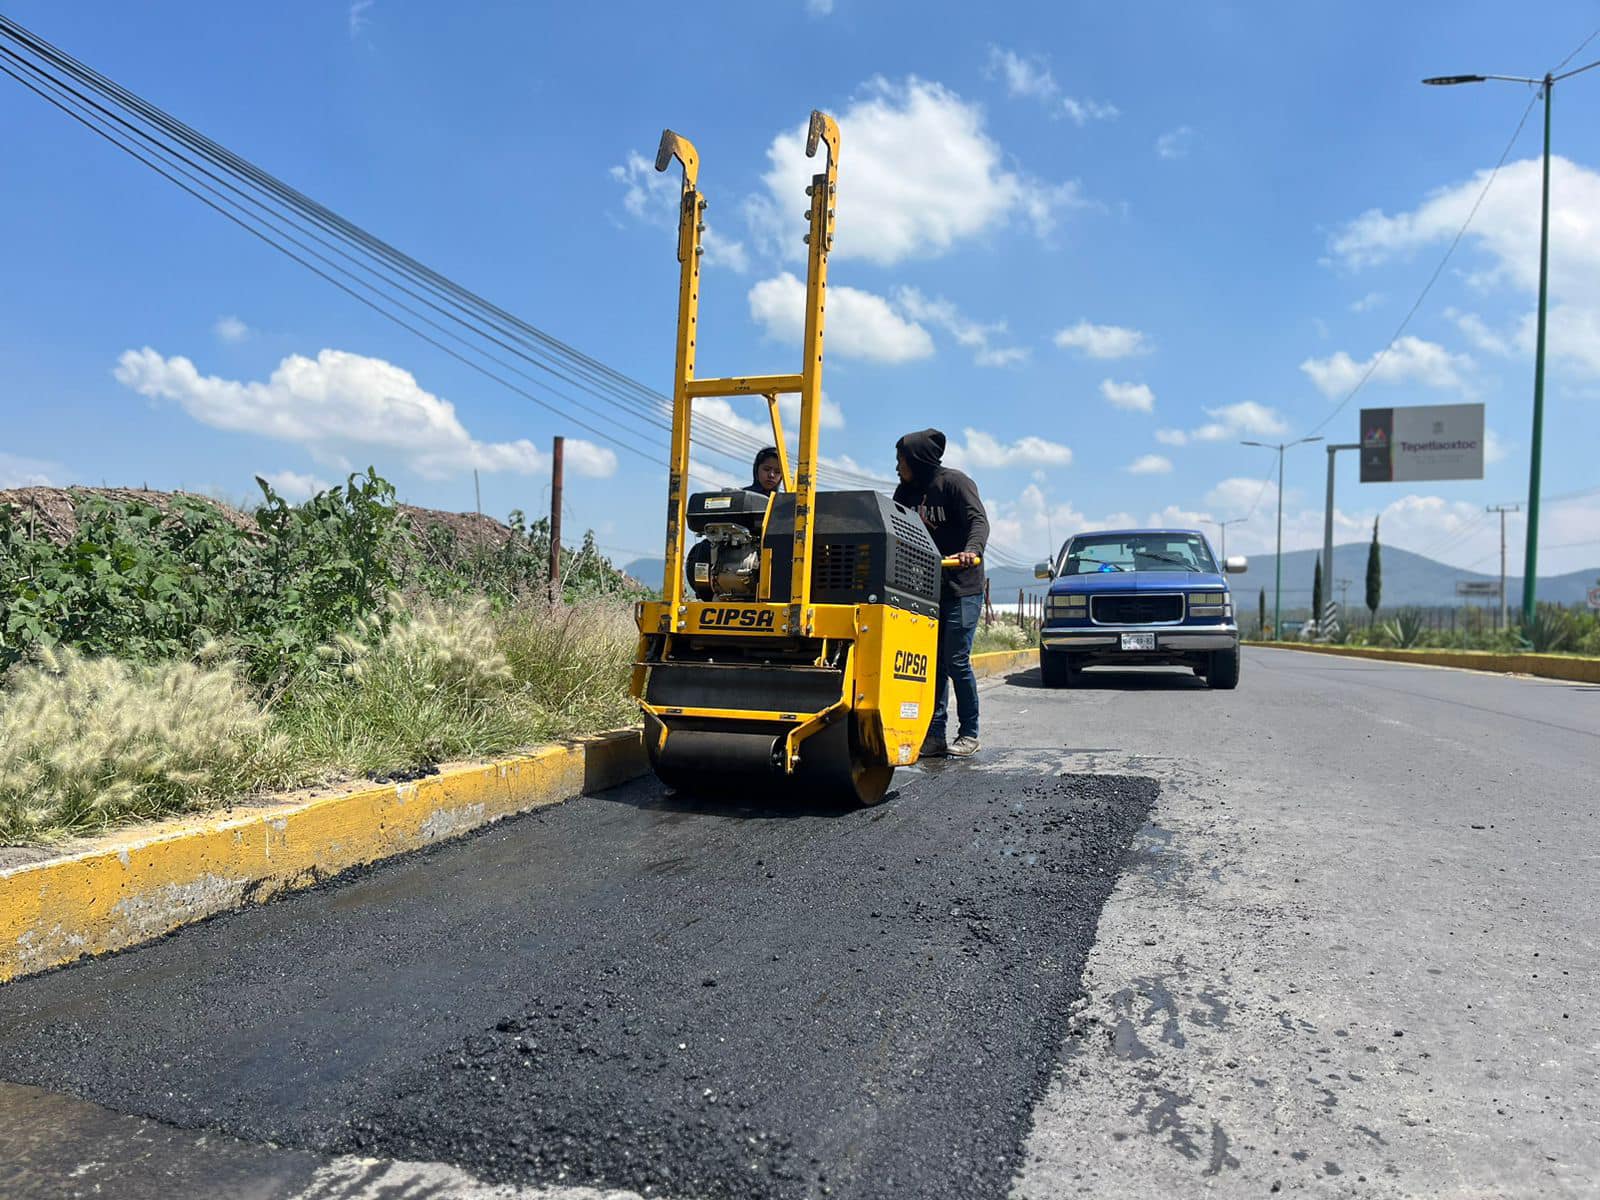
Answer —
(1404, 630)
(1552, 630)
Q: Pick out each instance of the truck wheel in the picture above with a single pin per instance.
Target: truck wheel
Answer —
(1224, 670)
(1055, 668)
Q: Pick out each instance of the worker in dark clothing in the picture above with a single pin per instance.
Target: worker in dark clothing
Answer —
(766, 477)
(948, 503)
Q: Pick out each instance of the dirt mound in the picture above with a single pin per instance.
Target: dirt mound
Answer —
(50, 512)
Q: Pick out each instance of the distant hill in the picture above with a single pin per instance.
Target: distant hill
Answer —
(1408, 579)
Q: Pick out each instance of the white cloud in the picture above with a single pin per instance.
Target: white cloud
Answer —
(1367, 303)
(1409, 360)
(819, 8)
(1494, 448)
(1505, 230)
(17, 471)
(859, 324)
(1034, 521)
(653, 197)
(1135, 397)
(1477, 331)
(972, 334)
(711, 477)
(1240, 496)
(832, 416)
(357, 18)
(295, 486)
(985, 451)
(1150, 464)
(922, 175)
(1084, 111)
(1102, 341)
(341, 402)
(230, 329)
(1248, 417)
(1172, 437)
(1031, 77)
(1175, 143)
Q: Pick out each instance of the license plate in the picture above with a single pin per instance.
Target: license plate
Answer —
(1138, 641)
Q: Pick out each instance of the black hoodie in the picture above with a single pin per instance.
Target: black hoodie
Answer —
(948, 502)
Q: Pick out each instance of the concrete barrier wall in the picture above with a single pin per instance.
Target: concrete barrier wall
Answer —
(139, 883)
(1545, 666)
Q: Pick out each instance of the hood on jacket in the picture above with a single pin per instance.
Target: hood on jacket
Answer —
(924, 452)
(762, 455)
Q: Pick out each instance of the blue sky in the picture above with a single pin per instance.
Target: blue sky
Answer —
(1096, 244)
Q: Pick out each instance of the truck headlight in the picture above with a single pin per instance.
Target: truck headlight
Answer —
(1067, 606)
(1210, 604)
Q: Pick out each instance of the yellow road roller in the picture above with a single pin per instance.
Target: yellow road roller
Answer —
(804, 648)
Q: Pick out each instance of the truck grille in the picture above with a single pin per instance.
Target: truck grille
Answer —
(1143, 608)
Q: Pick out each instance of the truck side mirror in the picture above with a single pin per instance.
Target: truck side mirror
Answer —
(1236, 564)
(1043, 571)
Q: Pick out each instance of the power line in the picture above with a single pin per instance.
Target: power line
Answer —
(473, 313)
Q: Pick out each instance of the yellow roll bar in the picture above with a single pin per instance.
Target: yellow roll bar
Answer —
(823, 132)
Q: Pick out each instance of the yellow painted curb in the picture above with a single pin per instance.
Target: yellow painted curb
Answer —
(998, 662)
(1545, 666)
(139, 884)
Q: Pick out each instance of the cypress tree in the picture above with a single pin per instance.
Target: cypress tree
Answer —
(1374, 573)
(1261, 615)
(1316, 593)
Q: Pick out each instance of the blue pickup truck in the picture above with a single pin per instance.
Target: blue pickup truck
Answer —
(1139, 597)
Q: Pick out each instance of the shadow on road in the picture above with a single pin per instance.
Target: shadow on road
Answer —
(749, 799)
(1142, 679)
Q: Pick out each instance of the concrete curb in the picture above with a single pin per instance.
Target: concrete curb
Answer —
(138, 884)
(1545, 666)
(998, 662)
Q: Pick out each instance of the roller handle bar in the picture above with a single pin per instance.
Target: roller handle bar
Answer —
(953, 561)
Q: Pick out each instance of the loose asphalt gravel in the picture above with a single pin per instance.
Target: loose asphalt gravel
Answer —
(636, 991)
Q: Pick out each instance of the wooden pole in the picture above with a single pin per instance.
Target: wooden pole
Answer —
(555, 519)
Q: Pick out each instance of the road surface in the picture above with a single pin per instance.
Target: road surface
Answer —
(1330, 934)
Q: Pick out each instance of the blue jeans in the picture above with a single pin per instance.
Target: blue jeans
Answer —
(958, 621)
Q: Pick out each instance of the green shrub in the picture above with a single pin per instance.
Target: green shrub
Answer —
(1552, 630)
(87, 742)
(1405, 630)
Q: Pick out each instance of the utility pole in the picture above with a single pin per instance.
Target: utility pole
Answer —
(1503, 509)
(1344, 594)
(477, 493)
(555, 520)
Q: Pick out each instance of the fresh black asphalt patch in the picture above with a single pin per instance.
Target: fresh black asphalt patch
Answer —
(633, 990)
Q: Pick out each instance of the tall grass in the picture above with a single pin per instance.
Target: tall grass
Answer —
(88, 742)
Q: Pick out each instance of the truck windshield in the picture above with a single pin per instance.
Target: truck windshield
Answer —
(1099, 552)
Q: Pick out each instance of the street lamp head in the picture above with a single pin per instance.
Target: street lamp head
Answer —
(1315, 438)
(1451, 80)
(1263, 445)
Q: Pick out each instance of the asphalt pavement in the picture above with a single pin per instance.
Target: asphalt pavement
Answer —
(1331, 933)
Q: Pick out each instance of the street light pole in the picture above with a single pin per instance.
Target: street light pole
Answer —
(1546, 85)
(1223, 526)
(1277, 584)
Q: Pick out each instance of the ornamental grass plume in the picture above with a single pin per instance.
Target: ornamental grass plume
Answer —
(88, 742)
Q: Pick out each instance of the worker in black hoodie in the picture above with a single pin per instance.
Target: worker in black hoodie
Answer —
(947, 500)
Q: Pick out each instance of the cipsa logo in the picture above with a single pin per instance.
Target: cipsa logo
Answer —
(910, 666)
(759, 620)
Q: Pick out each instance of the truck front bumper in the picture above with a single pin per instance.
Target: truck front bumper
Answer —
(1176, 639)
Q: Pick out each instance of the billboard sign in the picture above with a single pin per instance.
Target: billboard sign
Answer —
(1478, 587)
(1428, 441)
